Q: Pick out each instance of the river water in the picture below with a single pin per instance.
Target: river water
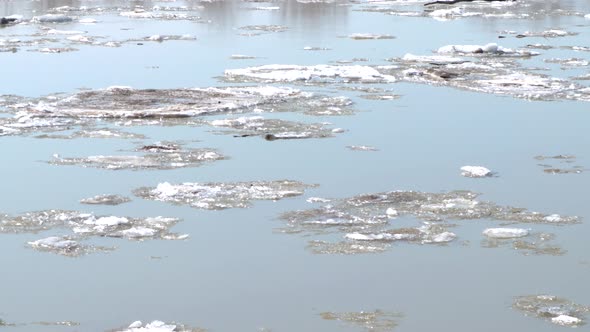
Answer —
(244, 269)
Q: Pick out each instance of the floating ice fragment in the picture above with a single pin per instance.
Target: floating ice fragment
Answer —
(491, 48)
(106, 200)
(557, 310)
(218, 196)
(475, 171)
(158, 326)
(565, 320)
(52, 18)
(317, 73)
(362, 148)
(391, 212)
(317, 200)
(505, 233)
(54, 242)
(88, 20)
(375, 321)
(64, 32)
(366, 36)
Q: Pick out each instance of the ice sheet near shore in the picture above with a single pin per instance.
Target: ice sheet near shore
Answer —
(219, 196)
(365, 221)
(556, 310)
(157, 156)
(85, 226)
(375, 321)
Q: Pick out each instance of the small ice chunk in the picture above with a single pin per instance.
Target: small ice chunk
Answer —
(157, 38)
(64, 32)
(553, 218)
(88, 20)
(317, 200)
(138, 232)
(443, 237)
(475, 171)
(505, 233)
(52, 18)
(391, 212)
(136, 324)
(54, 242)
(565, 320)
(337, 130)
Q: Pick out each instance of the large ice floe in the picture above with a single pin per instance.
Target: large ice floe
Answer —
(272, 129)
(83, 227)
(485, 68)
(127, 107)
(521, 240)
(158, 326)
(219, 196)
(364, 222)
(308, 74)
(157, 156)
(556, 310)
(371, 321)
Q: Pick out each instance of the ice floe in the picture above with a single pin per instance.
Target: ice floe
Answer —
(85, 226)
(488, 49)
(161, 155)
(264, 28)
(308, 74)
(556, 310)
(362, 148)
(364, 221)
(488, 72)
(369, 36)
(505, 233)
(522, 241)
(219, 196)
(563, 159)
(475, 172)
(52, 18)
(375, 321)
(158, 326)
(105, 200)
(272, 129)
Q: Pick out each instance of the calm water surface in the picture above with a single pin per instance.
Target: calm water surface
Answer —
(236, 273)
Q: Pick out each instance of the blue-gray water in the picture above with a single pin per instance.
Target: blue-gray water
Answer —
(236, 273)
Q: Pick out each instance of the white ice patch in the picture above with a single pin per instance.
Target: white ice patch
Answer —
(155, 326)
(491, 48)
(54, 242)
(565, 320)
(432, 58)
(475, 171)
(505, 233)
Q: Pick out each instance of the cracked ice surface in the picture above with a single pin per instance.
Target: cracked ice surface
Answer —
(364, 221)
(559, 311)
(159, 156)
(219, 196)
(85, 226)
